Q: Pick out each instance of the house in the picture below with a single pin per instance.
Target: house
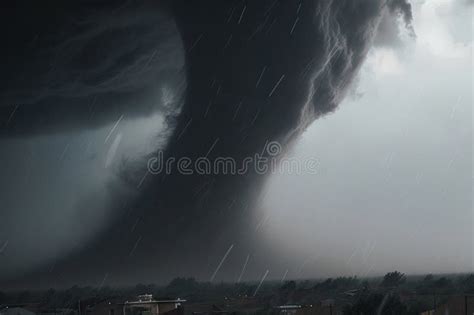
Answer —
(144, 305)
(325, 307)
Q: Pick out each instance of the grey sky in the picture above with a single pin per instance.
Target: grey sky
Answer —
(394, 187)
(59, 190)
(69, 206)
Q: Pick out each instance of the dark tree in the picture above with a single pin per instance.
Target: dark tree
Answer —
(393, 279)
(377, 304)
(467, 284)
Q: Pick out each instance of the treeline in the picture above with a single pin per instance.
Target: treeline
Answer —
(396, 292)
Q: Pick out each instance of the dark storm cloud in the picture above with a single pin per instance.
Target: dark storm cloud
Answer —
(257, 71)
(85, 65)
(403, 8)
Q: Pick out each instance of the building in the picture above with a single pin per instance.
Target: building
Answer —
(325, 307)
(144, 305)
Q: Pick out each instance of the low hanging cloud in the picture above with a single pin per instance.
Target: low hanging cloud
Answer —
(256, 72)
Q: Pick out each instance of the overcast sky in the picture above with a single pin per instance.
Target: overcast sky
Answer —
(394, 184)
(393, 187)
